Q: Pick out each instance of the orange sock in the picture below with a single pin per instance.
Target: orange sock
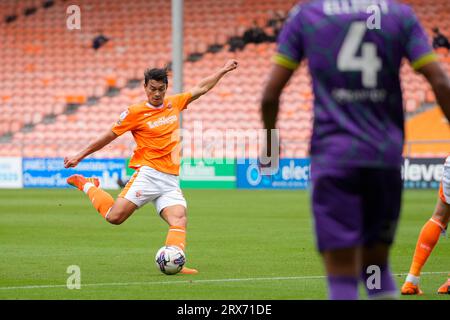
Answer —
(176, 237)
(101, 200)
(429, 236)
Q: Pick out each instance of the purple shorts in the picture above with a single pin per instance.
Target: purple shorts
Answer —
(355, 206)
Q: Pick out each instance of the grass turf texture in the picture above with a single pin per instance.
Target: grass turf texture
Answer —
(246, 245)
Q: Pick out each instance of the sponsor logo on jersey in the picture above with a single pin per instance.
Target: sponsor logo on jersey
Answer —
(162, 121)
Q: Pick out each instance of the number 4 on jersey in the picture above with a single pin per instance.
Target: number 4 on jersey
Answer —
(368, 63)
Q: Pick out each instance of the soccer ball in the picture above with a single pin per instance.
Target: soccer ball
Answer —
(170, 259)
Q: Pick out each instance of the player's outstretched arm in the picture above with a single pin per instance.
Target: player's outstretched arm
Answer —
(102, 141)
(209, 82)
(440, 83)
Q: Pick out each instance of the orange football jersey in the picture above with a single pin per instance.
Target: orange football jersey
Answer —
(155, 130)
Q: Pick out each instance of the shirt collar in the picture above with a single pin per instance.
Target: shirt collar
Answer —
(153, 107)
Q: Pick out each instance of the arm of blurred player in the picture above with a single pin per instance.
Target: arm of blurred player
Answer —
(209, 82)
(98, 144)
(440, 83)
(279, 77)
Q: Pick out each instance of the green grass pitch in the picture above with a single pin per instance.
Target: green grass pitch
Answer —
(246, 244)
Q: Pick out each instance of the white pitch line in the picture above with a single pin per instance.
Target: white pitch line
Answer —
(123, 284)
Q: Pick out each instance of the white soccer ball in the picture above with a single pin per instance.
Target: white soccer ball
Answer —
(170, 259)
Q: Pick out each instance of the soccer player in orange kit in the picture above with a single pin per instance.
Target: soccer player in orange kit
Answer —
(154, 125)
(429, 236)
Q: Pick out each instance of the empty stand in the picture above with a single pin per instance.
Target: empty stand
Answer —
(428, 134)
(46, 68)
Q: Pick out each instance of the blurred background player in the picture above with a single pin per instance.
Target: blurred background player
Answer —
(358, 134)
(439, 40)
(153, 124)
(429, 236)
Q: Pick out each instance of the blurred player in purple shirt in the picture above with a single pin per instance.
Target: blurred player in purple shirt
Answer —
(354, 51)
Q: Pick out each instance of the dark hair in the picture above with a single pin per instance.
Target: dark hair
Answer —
(156, 74)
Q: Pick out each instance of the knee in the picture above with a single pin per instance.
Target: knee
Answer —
(114, 218)
(179, 220)
(441, 214)
(175, 217)
(441, 219)
(182, 221)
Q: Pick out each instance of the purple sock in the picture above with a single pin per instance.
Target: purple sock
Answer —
(379, 282)
(342, 288)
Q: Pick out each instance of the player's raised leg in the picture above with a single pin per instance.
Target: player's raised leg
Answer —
(428, 238)
(79, 181)
(115, 212)
(101, 200)
(176, 217)
(120, 211)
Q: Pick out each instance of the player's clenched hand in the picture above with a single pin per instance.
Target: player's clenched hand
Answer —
(71, 162)
(230, 65)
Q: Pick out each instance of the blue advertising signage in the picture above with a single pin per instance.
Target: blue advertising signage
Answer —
(292, 174)
(50, 172)
(422, 173)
